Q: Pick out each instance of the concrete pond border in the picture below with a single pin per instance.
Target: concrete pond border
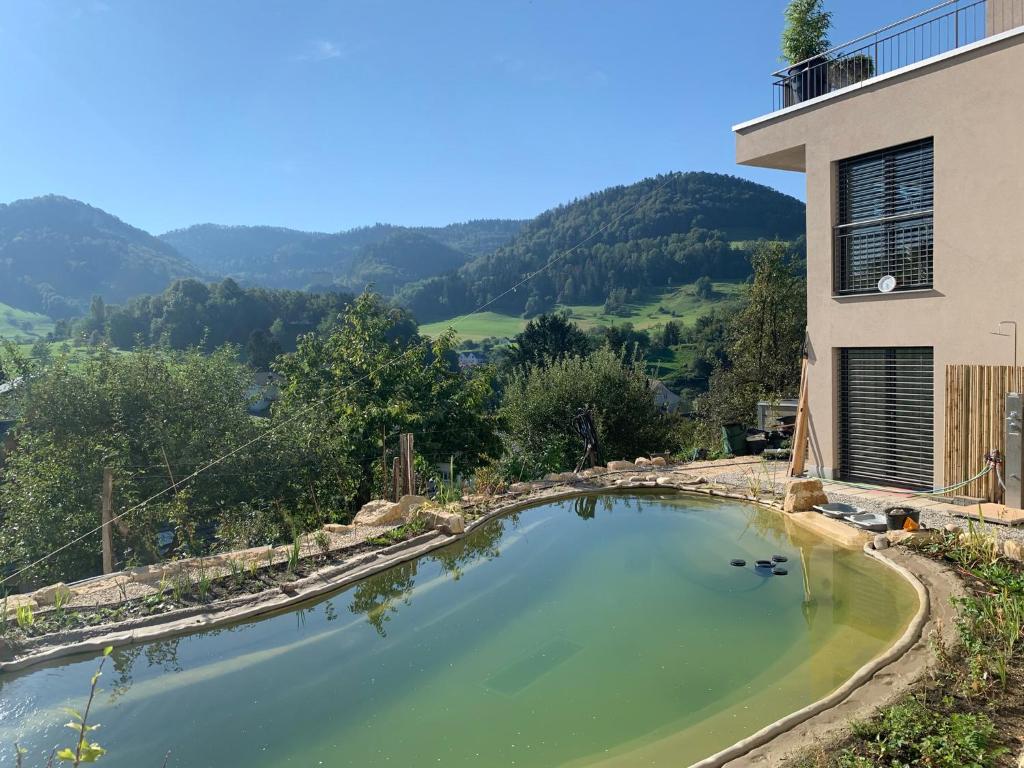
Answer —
(333, 578)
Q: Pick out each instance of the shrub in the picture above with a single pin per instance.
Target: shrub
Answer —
(912, 733)
(540, 404)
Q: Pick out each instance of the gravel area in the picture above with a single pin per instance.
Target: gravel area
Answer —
(773, 475)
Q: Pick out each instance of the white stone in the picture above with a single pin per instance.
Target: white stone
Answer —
(881, 542)
(659, 461)
(338, 528)
(642, 461)
(1012, 549)
(617, 465)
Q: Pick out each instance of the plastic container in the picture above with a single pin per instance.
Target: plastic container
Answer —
(896, 517)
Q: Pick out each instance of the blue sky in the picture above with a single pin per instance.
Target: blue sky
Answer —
(329, 115)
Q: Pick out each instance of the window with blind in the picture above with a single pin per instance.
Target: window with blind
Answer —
(884, 220)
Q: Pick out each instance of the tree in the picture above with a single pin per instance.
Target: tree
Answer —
(261, 350)
(806, 32)
(703, 288)
(765, 343)
(151, 416)
(545, 339)
(540, 402)
(372, 377)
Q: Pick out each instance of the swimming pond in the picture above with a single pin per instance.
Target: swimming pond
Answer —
(603, 630)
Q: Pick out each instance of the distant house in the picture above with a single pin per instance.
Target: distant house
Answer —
(471, 359)
(666, 400)
(9, 386)
(264, 391)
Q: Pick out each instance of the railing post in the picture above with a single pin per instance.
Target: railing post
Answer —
(956, 26)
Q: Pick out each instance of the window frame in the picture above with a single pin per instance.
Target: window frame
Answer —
(889, 231)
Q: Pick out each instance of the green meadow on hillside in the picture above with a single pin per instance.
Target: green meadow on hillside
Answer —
(679, 304)
(21, 326)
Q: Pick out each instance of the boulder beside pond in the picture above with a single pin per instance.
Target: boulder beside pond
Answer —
(383, 512)
(803, 495)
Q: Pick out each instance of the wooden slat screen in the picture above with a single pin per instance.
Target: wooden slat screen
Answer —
(975, 396)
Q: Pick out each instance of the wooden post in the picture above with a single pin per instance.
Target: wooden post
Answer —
(384, 459)
(106, 517)
(396, 479)
(408, 471)
(796, 465)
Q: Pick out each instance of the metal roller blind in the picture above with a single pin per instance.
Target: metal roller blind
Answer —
(884, 219)
(887, 403)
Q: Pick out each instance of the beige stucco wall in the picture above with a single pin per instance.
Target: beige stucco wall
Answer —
(973, 106)
(1001, 15)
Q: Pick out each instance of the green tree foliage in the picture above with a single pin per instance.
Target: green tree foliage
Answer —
(193, 314)
(703, 287)
(374, 376)
(382, 254)
(540, 403)
(765, 342)
(662, 231)
(545, 339)
(150, 416)
(806, 32)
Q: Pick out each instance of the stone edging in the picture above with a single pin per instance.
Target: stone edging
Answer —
(248, 607)
(319, 584)
(893, 654)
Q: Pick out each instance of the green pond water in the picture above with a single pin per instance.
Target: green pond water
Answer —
(606, 630)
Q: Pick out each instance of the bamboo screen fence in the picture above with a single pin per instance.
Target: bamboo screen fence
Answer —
(975, 396)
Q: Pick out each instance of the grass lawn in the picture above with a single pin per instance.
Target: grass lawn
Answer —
(21, 326)
(679, 304)
(479, 326)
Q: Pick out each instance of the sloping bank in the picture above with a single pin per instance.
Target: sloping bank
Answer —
(874, 684)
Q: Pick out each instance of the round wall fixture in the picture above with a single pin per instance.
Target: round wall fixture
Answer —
(887, 284)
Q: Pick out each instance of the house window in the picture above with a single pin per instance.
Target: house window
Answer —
(884, 221)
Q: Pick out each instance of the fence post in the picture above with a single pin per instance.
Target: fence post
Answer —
(396, 479)
(407, 470)
(106, 518)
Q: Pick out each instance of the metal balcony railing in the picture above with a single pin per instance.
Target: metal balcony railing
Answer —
(942, 28)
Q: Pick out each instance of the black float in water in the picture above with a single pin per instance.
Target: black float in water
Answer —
(763, 563)
(779, 559)
(779, 571)
(738, 562)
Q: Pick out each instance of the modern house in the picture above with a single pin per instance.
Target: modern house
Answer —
(911, 139)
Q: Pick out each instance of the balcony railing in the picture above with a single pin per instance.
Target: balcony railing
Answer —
(942, 28)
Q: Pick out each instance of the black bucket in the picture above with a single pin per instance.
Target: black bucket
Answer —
(896, 517)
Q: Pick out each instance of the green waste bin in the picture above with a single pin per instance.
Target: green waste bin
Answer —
(734, 439)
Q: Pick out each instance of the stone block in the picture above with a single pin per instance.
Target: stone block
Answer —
(642, 461)
(659, 461)
(803, 495)
(881, 542)
(48, 595)
(617, 465)
(519, 488)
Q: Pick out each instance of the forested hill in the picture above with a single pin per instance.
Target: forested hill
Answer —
(657, 233)
(276, 257)
(56, 253)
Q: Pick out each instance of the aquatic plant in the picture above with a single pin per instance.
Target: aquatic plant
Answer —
(25, 617)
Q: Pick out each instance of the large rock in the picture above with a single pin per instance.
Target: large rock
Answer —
(48, 595)
(383, 512)
(447, 520)
(520, 488)
(659, 461)
(642, 461)
(617, 465)
(803, 495)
